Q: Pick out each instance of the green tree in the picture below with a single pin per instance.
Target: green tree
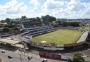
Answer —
(23, 17)
(6, 29)
(48, 19)
(77, 58)
(8, 20)
(38, 21)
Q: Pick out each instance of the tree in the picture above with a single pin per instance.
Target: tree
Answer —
(23, 17)
(69, 60)
(48, 19)
(77, 58)
(38, 21)
(6, 29)
(64, 24)
(45, 20)
(8, 20)
(74, 24)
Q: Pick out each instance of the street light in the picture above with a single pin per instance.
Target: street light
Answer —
(20, 55)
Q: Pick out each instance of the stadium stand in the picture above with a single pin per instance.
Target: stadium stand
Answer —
(36, 30)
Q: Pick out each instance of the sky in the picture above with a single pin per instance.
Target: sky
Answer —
(37, 8)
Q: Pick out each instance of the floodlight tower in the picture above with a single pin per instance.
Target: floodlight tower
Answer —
(24, 40)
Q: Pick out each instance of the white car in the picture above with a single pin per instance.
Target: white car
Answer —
(44, 60)
(3, 51)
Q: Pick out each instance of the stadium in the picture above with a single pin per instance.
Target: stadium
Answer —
(48, 38)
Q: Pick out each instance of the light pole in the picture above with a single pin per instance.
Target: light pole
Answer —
(20, 55)
(23, 39)
(25, 47)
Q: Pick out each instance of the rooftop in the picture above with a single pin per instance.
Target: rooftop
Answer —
(9, 41)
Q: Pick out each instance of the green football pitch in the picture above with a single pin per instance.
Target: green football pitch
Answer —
(60, 36)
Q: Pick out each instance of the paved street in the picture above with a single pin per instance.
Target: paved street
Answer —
(21, 57)
(17, 57)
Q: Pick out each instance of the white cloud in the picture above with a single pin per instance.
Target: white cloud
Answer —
(12, 9)
(34, 2)
(58, 8)
(67, 9)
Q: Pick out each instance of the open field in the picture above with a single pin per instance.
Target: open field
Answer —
(60, 36)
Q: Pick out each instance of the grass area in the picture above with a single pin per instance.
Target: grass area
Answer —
(60, 36)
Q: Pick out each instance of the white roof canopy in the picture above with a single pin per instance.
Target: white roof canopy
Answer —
(9, 41)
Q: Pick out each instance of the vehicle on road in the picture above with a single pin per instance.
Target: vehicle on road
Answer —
(10, 57)
(3, 51)
(44, 60)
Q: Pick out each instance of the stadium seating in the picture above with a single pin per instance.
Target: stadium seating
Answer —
(37, 30)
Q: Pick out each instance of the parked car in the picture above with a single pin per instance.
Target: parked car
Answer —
(10, 57)
(44, 60)
(3, 51)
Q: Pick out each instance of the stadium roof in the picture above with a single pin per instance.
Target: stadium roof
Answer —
(83, 37)
(9, 41)
(19, 45)
(53, 49)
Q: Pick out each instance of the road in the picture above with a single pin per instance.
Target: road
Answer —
(21, 57)
(18, 56)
